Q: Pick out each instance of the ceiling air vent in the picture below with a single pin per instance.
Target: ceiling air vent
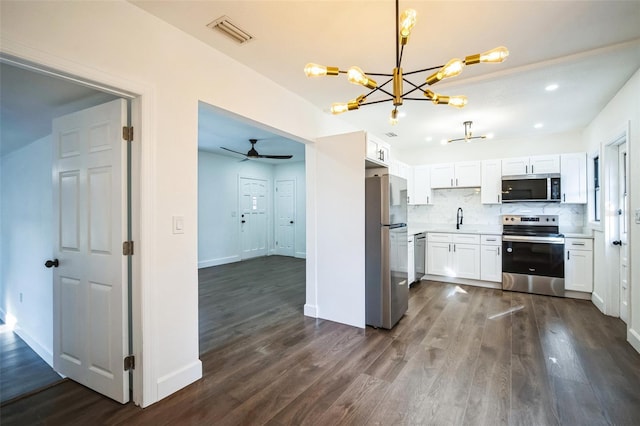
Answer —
(390, 135)
(225, 26)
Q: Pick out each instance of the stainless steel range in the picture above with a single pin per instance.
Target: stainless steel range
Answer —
(532, 254)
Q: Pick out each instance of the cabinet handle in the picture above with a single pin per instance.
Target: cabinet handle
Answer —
(427, 199)
(456, 181)
(451, 181)
(454, 248)
(449, 246)
(498, 198)
(532, 169)
(408, 200)
(577, 244)
(564, 198)
(568, 255)
(491, 239)
(526, 170)
(498, 252)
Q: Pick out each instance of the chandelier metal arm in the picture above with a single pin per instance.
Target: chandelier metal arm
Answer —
(376, 102)
(423, 70)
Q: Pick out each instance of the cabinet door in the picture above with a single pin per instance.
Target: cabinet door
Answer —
(442, 175)
(573, 172)
(421, 185)
(491, 187)
(438, 259)
(515, 166)
(466, 261)
(384, 153)
(491, 263)
(544, 164)
(372, 148)
(467, 174)
(578, 270)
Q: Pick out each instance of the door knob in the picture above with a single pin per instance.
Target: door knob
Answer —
(290, 221)
(617, 243)
(50, 263)
(243, 221)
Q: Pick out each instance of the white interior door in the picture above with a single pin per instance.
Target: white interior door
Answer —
(90, 313)
(623, 203)
(285, 217)
(253, 217)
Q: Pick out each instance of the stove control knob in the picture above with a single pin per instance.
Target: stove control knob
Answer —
(509, 250)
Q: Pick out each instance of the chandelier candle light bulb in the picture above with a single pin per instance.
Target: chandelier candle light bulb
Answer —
(404, 25)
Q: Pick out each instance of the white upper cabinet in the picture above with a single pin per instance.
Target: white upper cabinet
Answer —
(540, 164)
(491, 188)
(420, 191)
(378, 151)
(456, 175)
(573, 178)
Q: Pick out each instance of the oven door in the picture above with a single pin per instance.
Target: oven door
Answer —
(543, 256)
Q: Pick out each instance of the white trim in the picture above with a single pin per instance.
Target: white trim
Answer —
(598, 302)
(301, 254)
(144, 391)
(633, 337)
(176, 380)
(311, 311)
(44, 353)
(218, 261)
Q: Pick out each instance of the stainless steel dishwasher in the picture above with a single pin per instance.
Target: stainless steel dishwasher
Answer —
(420, 250)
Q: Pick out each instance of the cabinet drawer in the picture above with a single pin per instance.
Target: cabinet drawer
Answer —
(491, 240)
(578, 244)
(438, 237)
(466, 238)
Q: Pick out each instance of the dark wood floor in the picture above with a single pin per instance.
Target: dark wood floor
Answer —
(22, 371)
(461, 355)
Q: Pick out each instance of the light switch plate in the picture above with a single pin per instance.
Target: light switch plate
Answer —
(638, 216)
(178, 224)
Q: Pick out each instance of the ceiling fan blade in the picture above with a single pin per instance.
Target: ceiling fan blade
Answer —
(276, 157)
(235, 152)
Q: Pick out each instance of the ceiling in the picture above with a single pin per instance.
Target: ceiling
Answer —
(588, 48)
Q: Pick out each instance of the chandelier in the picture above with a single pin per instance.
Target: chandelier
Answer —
(397, 94)
(468, 135)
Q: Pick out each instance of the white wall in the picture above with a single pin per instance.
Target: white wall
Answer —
(27, 242)
(336, 192)
(488, 149)
(118, 44)
(218, 215)
(621, 112)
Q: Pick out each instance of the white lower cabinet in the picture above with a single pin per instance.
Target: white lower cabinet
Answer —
(453, 255)
(491, 258)
(578, 264)
(411, 257)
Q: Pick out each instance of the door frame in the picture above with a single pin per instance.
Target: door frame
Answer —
(140, 97)
(610, 196)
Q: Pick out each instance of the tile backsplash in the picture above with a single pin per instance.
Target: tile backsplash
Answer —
(446, 203)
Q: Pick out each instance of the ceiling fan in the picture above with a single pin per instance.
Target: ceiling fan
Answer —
(254, 154)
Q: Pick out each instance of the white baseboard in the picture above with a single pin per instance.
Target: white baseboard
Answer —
(42, 352)
(634, 339)
(301, 254)
(179, 379)
(598, 302)
(218, 261)
(311, 311)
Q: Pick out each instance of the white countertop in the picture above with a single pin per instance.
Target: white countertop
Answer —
(417, 228)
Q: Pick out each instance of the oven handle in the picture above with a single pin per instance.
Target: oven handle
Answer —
(529, 239)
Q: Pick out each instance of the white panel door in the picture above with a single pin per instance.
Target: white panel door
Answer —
(491, 263)
(467, 174)
(439, 259)
(623, 200)
(253, 217)
(574, 178)
(285, 217)
(442, 175)
(491, 187)
(90, 287)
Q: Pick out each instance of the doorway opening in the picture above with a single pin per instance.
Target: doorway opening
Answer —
(251, 229)
(32, 98)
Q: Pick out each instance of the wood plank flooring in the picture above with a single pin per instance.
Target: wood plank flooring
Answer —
(461, 355)
(22, 371)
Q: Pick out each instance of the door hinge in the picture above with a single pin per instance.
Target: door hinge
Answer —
(129, 363)
(127, 248)
(127, 133)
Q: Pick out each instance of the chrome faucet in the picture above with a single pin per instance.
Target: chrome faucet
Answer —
(459, 218)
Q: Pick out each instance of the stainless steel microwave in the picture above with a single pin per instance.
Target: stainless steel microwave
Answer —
(531, 188)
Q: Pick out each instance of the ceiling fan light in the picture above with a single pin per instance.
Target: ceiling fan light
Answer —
(356, 76)
(315, 70)
(407, 22)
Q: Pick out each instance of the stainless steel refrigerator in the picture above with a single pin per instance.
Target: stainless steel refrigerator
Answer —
(386, 276)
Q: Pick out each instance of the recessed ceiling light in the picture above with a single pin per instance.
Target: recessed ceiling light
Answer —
(551, 87)
(443, 142)
(428, 138)
(538, 125)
